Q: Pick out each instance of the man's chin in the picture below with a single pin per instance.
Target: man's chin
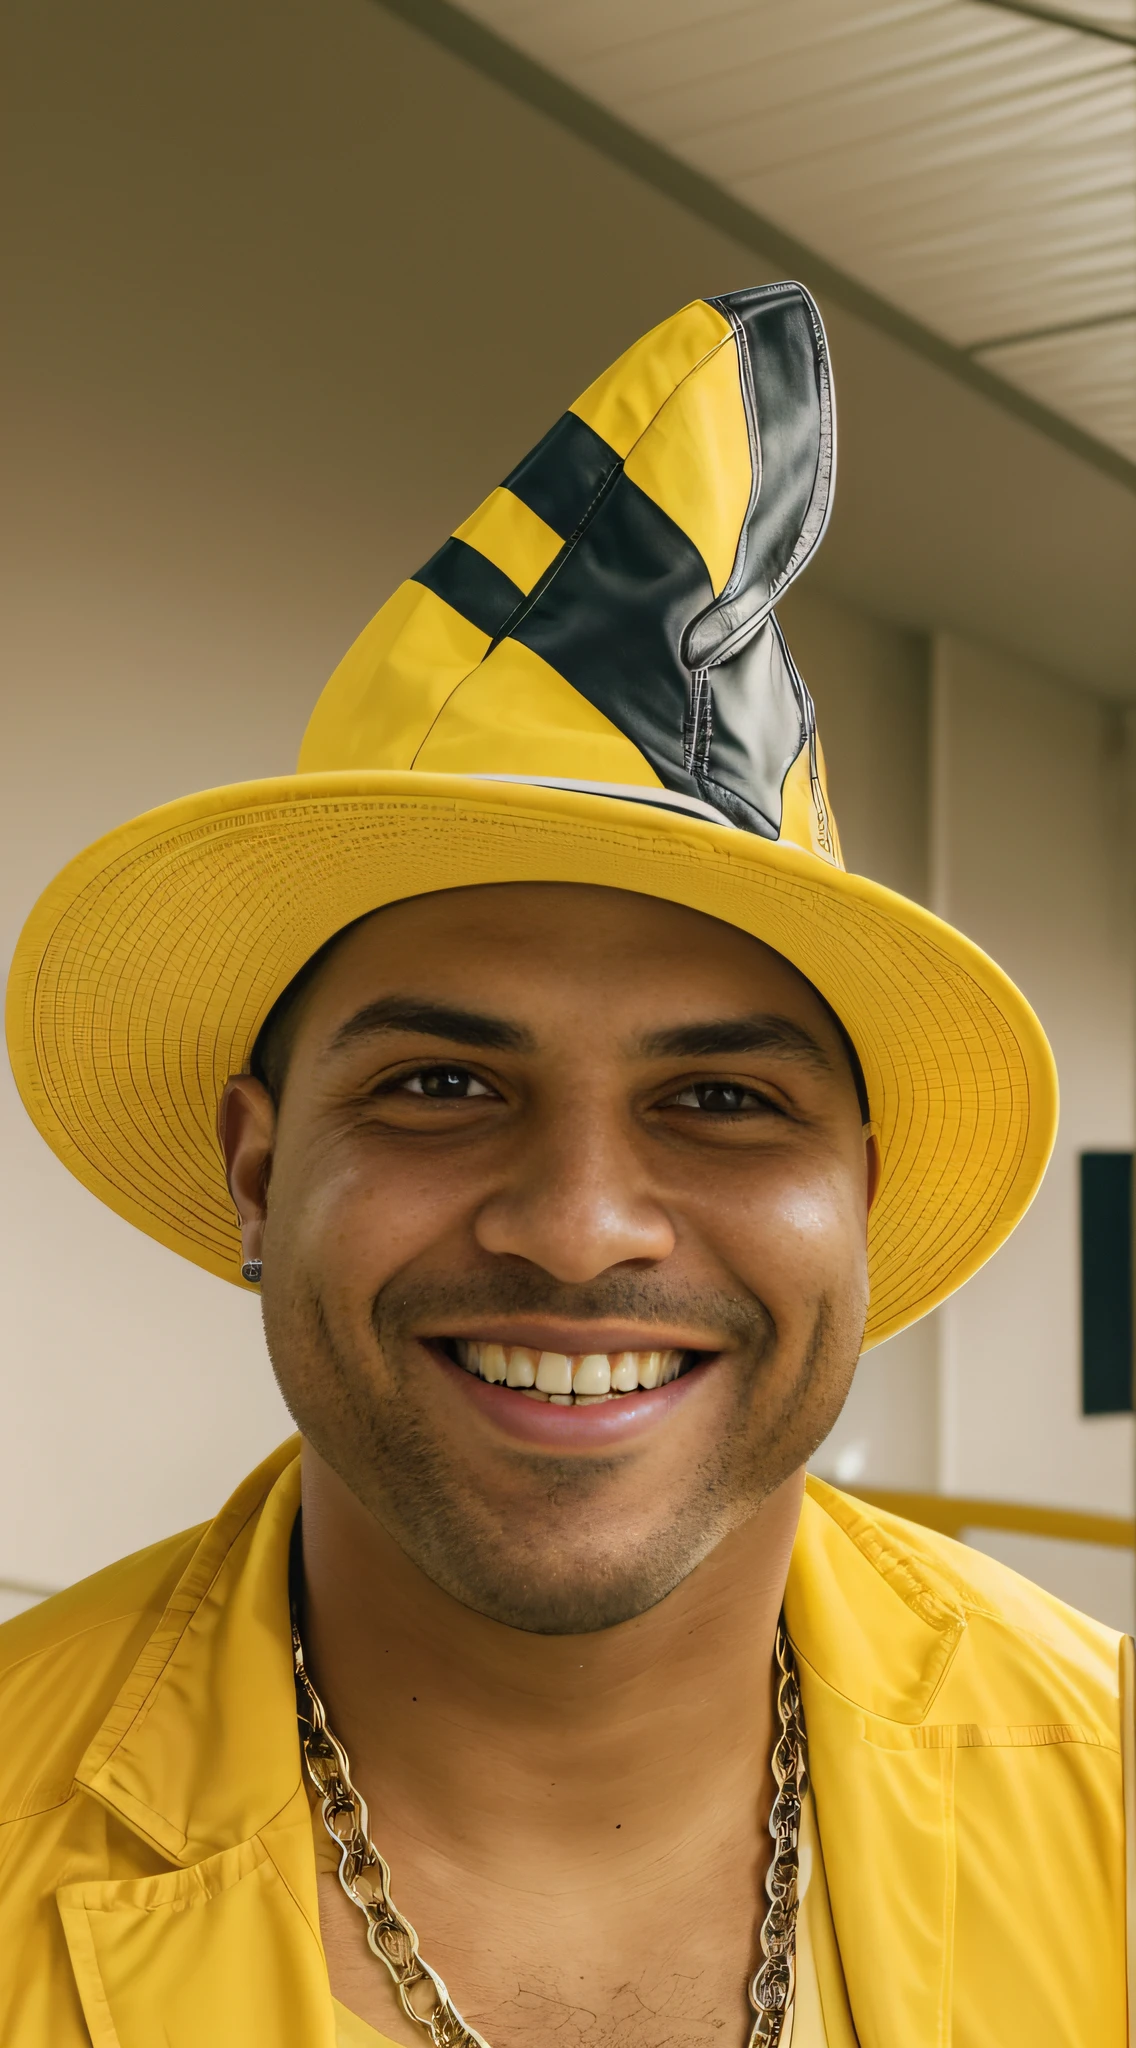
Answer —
(564, 1574)
(544, 1601)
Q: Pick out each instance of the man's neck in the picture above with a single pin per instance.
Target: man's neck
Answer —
(525, 1758)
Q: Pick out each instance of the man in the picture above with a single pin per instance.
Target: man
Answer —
(582, 1119)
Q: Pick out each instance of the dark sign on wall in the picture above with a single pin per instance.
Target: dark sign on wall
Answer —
(1106, 1282)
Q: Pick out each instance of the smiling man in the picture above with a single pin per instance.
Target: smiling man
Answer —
(583, 1119)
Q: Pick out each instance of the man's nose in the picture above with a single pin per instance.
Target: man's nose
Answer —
(577, 1202)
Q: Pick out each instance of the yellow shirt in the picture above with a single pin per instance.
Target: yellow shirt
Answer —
(812, 2027)
(969, 1746)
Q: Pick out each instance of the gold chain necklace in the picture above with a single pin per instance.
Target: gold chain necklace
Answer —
(423, 1996)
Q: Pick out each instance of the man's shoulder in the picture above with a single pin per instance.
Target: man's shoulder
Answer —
(63, 1663)
(1018, 1654)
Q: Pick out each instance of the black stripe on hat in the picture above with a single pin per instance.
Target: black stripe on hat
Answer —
(472, 585)
(610, 619)
(561, 478)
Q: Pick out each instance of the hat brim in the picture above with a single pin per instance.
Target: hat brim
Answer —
(149, 964)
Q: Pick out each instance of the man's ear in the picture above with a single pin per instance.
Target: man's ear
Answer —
(246, 1128)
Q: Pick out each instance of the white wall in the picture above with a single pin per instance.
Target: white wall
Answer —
(1031, 857)
(1027, 834)
(1026, 830)
(871, 685)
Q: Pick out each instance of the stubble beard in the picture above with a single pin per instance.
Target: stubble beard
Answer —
(566, 1568)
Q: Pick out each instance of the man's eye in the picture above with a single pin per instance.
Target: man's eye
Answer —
(721, 1098)
(444, 1084)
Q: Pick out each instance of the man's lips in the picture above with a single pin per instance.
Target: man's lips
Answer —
(565, 1422)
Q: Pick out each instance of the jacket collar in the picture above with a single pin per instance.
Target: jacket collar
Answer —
(200, 1757)
(869, 1616)
(876, 1628)
(199, 1751)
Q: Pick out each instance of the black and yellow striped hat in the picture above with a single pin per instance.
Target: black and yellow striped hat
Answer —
(587, 683)
(606, 616)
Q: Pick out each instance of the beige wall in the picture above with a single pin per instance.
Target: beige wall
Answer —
(1025, 825)
(289, 290)
(870, 682)
(1031, 856)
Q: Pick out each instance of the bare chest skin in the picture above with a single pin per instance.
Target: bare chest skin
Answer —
(579, 1830)
(647, 1959)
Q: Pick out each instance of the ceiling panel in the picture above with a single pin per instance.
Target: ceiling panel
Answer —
(968, 162)
(1118, 15)
(1088, 377)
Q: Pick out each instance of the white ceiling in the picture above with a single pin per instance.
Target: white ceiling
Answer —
(967, 160)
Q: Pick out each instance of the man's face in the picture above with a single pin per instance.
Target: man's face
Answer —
(529, 1126)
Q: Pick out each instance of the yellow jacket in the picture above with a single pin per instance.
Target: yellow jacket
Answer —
(157, 1868)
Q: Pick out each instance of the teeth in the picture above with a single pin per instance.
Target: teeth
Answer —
(562, 1379)
(625, 1372)
(554, 1373)
(592, 1374)
(522, 1368)
(492, 1363)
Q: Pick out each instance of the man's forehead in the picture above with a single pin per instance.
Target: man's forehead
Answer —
(551, 917)
(465, 945)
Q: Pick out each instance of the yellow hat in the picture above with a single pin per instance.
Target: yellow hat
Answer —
(587, 683)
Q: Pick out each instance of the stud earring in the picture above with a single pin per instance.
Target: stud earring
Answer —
(252, 1270)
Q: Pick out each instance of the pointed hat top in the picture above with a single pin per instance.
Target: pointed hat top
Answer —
(606, 617)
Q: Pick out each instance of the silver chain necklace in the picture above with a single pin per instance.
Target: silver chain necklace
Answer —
(423, 1996)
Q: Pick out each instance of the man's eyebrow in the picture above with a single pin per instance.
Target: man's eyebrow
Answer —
(431, 1020)
(725, 1035)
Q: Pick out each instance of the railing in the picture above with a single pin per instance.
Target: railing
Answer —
(951, 1513)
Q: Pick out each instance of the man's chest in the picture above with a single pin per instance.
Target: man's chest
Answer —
(552, 1978)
